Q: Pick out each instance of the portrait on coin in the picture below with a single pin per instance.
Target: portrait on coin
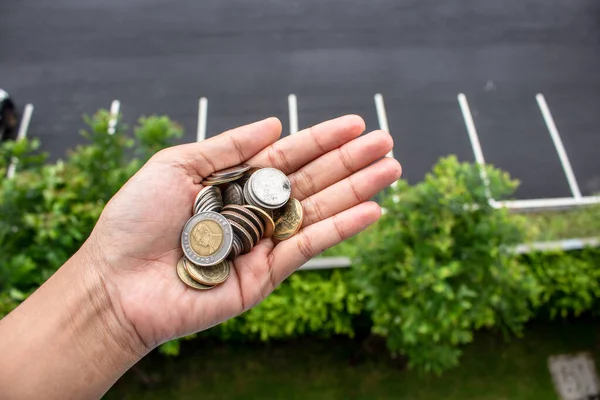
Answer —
(207, 237)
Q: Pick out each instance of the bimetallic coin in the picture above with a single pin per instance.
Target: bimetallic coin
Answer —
(186, 278)
(244, 236)
(220, 181)
(206, 238)
(271, 187)
(245, 222)
(229, 172)
(269, 224)
(256, 221)
(212, 275)
(234, 194)
(290, 220)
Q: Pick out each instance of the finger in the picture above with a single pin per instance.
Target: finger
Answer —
(340, 163)
(229, 148)
(255, 275)
(294, 151)
(351, 191)
(310, 241)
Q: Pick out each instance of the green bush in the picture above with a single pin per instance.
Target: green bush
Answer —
(569, 281)
(48, 210)
(438, 265)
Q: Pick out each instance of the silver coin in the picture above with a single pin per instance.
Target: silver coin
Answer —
(236, 249)
(210, 198)
(210, 232)
(205, 192)
(247, 195)
(201, 194)
(213, 205)
(230, 172)
(234, 194)
(271, 187)
(252, 200)
(204, 204)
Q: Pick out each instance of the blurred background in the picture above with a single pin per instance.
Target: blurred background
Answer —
(510, 83)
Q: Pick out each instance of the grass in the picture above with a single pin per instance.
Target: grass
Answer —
(575, 223)
(491, 369)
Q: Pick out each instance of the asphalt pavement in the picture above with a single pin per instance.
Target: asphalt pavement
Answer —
(70, 57)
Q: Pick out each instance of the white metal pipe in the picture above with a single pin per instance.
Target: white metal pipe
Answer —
(558, 202)
(474, 138)
(114, 115)
(558, 144)
(553, 245)
(202, 115)
(382, 117)
(293, 112)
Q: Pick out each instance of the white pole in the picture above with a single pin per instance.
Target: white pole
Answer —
(22, 134)
(293, 110)
(382, 117)
(560, 149)
(475, 145)
(202, 114)
(114, 115)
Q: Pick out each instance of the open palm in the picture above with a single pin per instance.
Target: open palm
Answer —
(333, 170)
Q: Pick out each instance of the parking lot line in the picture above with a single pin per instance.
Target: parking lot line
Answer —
(293, 110)
(202, 115)
(474, 138)
(558, 144)
(114, 115)
(27, 113)
(382, 117)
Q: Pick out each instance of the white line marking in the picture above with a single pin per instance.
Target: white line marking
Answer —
(562, 154)
(22, 134)
(475, 145)
(293, 109)
(114, 115)
(382, 117)
(202, 114)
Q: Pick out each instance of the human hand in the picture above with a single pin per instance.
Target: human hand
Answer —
(136, 242)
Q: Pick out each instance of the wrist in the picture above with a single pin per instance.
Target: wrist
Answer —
(68, 335)
(97, 321)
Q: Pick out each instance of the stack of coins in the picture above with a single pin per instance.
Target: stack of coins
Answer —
(235, 209)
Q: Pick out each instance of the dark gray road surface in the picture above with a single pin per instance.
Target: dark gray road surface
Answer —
(70, 57)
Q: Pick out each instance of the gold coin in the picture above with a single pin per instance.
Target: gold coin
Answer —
(290, 220)
(186, 278)
(220, 181)
(265, 217)
(206, 238)
(211, 276)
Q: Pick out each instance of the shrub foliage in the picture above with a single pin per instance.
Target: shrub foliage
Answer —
(437, 267)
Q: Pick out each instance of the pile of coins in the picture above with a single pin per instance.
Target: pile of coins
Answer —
(235, 209)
